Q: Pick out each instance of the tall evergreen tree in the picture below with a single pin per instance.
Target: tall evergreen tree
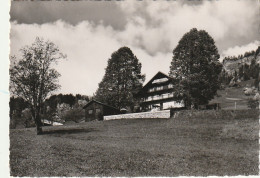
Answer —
(195, 67)
(122, 79)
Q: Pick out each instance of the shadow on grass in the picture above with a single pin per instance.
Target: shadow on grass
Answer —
(68, 131)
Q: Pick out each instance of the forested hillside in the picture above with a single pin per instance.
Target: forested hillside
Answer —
(241, 68)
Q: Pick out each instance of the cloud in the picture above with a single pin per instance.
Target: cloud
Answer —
(238, 50)
(41, 12)
(88, 47)
(162, 24)
(151, 29)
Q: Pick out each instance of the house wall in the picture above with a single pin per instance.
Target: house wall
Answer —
(109, 111)
(97, 112)
(158, 95)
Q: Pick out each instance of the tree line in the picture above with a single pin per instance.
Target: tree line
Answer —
(253, 53)
(50, 108)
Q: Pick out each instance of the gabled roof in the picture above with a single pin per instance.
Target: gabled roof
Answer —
(158, 74)
(89, 103)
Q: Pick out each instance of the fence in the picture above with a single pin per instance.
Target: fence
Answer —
(240, 105)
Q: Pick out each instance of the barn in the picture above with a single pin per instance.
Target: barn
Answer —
(95, 110)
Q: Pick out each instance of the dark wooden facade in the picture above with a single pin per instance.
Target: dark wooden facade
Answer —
(157, 92)
(95, 110)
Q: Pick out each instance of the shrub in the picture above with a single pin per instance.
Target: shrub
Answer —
(27, 118)
(253, 104)
(74, 114)
(13, 121)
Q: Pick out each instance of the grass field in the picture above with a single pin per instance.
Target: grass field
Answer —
(191, 144)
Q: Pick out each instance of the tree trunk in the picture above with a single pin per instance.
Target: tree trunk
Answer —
(187, 104)
(38, 124)
(37, 120)
(39, 129)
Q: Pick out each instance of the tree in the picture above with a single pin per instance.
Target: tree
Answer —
(16, 105)
(33, 77)
(195, 67)
(122, 79)
(75, 114)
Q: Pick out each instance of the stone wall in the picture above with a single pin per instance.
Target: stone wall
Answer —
(141, 115)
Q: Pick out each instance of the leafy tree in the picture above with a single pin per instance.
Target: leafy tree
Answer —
(16, 105)
(257, 51)
(195, 67)
(75, 114)
(241, 72)
(33, 77)
(52, 101)
(253, 104)
(122, 79)
(69, 99)
(246, 72)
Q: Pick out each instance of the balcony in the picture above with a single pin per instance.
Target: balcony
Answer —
(158, 97)
(160, 88)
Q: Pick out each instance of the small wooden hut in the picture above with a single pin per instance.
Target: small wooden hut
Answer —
(95, 110)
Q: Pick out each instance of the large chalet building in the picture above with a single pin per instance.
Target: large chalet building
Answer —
(157, 94)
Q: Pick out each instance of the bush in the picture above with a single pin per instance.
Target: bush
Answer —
(253, 104)
(13, 121)
(74, 114)
(27, 118)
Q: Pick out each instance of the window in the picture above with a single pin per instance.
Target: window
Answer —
(151, 89)
(170, 95)
(90, 111)
(150, 98)
(160, 80)
(165, 95)
(156, 97)
(159, 88)
(97, 110)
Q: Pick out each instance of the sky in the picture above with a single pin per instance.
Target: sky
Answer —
(88, 32)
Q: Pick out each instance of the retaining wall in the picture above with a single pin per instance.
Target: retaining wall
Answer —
(141, 115)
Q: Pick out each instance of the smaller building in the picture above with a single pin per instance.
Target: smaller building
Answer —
(95, 110)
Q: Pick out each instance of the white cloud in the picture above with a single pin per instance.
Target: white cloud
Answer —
(164, 23)
(238, 50)
(88, 47)
(152, 31)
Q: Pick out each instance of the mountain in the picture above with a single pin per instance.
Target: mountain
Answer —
(232, 64)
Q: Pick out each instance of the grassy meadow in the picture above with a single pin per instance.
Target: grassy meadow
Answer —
(232, 98)
(199, 143)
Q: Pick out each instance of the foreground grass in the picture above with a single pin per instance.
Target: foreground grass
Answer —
(190, 144)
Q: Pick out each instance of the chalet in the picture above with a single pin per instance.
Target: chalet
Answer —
(157, 93)
(95, 110)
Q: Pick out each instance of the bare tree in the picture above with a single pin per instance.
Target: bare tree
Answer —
(33, 77)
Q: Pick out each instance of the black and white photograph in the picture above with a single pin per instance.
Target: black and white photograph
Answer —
(133, 88)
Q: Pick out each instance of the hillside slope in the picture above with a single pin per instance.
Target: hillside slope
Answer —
(232, 98)
(191, 144)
